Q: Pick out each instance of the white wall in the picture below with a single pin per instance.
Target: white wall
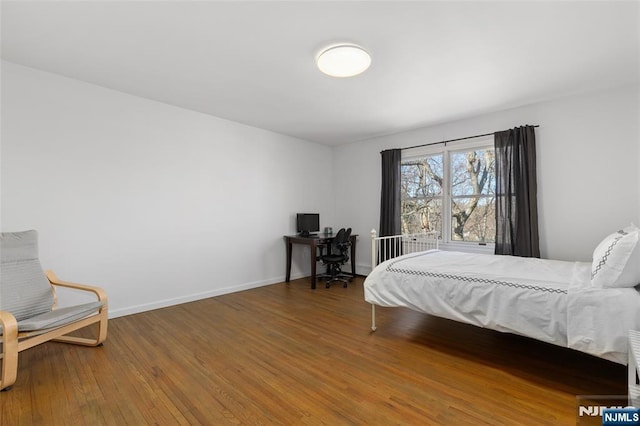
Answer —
(157, 204)
(587, 150)
(161, 205)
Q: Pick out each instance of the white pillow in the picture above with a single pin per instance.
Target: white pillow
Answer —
(616, 260)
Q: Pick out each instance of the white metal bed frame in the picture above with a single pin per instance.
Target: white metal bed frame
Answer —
(385, 248)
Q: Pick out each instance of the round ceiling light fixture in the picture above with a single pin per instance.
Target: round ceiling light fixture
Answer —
(343, 60)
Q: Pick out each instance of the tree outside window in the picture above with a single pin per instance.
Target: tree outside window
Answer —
(452, 192)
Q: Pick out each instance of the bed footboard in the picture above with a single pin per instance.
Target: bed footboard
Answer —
(385, 248)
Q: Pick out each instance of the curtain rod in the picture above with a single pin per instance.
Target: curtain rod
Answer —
(459, 139)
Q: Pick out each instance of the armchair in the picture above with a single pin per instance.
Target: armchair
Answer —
(337, 255)
(28, 305)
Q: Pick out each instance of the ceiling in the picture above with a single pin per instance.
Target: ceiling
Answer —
(254, 62)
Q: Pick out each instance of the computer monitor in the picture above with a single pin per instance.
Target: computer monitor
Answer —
(306, 223)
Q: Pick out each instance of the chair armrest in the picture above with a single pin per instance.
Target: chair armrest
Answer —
(9, 349)
(344, 246)
(55, 281)
(9, 325)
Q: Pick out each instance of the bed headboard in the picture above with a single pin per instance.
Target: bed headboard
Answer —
(385, 248)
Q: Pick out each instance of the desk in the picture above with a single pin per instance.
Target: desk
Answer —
(314, 243)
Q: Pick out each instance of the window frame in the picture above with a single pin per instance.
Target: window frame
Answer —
(446, 242)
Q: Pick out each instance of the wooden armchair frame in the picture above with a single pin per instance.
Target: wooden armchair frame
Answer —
(14, 342)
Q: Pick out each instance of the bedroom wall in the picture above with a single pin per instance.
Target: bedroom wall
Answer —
(157, 204)
(587, 169)
(637, 143)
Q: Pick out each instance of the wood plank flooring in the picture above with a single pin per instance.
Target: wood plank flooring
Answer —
(286, 354)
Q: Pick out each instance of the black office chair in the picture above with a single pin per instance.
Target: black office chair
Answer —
(338, 255)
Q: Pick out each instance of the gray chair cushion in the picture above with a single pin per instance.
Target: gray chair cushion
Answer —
(59, 317)
(25, 291)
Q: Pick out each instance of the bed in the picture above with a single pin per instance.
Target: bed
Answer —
(586, 306)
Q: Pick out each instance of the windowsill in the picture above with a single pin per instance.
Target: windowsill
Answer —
(489, 248)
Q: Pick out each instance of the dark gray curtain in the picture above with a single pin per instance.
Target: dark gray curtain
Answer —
(516, 193)
(390, 195)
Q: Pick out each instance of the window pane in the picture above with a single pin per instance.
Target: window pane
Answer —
(421, 194)
(473, 219)
(422, 177)
(473, 172)
(420, 215)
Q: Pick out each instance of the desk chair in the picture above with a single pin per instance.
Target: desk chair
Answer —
(337, 255)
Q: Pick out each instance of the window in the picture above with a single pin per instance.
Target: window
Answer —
(451, 191)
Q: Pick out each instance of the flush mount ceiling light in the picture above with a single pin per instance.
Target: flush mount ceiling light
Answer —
(343, 60)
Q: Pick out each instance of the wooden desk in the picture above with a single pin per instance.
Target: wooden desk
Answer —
(313, 243)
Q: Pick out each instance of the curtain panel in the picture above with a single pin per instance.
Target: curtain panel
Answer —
(390, 193)
(390, 222)
(516, 193)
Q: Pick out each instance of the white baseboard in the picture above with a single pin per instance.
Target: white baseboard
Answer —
(136, 309)
(363, 269)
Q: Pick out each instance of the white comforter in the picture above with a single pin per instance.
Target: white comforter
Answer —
(548, 300)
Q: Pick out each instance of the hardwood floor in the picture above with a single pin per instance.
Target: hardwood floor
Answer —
(286, 354)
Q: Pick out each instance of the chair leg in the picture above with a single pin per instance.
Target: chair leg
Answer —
(9, 352)
(10, 346)
(101, 333)
(337, 275)
(332, 276)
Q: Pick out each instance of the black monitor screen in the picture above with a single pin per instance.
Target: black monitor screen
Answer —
(307, 222)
